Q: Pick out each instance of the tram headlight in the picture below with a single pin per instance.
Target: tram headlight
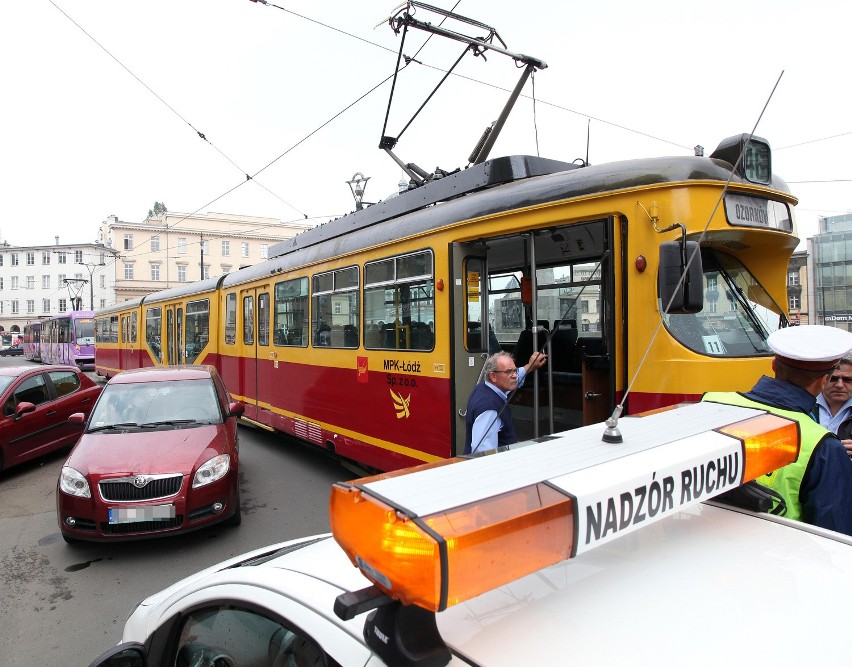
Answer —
(74, 483)
(212, 470)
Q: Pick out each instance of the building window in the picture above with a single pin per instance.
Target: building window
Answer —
(78, 256)
(45, 257)
(264, 251)
(30, 282)
(78, 276)
(181, 246)
(63, 305)
(181, 274)
(794, 303)
(205, 272)
(14, 259)
(1, 260)
(103, 303)
(155, 244)
(30, 259)
(45, 305)
(205, 246)
(128, 241)
(45, 282)
(14, 306)
(155, 271)
(1, 282)
(102, 259)
(14, 282)
(226, 248)
(128, 271)
(61, 257)
(30, 306)
(102, 281)
(245, 249)
(793, 278)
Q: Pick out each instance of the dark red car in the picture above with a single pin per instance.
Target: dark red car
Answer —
(37, 401)
(159, 455)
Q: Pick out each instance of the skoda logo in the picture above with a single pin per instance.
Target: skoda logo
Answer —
(139, 481)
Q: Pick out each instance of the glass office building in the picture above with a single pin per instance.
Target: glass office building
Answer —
(832, 267)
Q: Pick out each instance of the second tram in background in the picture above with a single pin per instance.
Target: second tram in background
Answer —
(365, 336)
(32, 341)
(67, 338)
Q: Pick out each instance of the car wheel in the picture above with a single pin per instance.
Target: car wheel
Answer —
(237, 517)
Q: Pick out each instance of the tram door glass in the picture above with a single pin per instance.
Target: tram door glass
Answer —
(231, 319)
(197, 328)
(263, 318)
(153, 331)
(475, 311)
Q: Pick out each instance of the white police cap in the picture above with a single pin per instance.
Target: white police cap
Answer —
(812, 347)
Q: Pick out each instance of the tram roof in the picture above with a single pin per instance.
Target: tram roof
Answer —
(502, 184)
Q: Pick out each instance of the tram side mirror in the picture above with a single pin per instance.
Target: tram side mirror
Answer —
(686, 296)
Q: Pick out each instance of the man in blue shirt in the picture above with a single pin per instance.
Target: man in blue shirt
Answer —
(834, 404)
(488, 422)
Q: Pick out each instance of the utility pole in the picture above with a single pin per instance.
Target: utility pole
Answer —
(90, 266)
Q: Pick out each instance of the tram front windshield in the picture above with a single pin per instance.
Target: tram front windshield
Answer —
(736, 318)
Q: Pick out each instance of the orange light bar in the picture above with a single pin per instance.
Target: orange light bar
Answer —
(437, 561)
(769, 442)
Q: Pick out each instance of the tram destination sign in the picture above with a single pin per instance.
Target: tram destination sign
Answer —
(744, 211)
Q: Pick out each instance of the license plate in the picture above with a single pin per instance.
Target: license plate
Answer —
(144, 513)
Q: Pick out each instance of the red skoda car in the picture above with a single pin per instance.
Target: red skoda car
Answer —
(159, 455)
(36, 403)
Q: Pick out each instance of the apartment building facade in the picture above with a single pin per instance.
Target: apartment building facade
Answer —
(174, 248)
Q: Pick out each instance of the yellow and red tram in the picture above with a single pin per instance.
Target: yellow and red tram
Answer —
(366, 335)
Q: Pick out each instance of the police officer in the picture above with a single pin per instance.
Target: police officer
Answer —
(488, 421)
(817, 487)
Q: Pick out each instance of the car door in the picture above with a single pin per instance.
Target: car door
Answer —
(31, 434)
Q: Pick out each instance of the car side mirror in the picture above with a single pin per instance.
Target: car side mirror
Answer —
(77, 418)
(23, 408)
(129, 654)
(236, 409)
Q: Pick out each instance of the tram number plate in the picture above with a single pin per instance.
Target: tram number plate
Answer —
(145, 513)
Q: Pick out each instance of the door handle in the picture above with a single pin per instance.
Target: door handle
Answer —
(590, 395)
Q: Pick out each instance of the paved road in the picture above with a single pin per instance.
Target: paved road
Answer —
(64, 604)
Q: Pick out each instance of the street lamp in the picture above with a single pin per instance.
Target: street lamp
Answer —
(358, 184)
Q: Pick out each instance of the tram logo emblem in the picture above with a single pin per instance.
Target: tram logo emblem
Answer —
(363, 370)
(400, 404)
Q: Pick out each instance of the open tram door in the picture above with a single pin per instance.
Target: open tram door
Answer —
(469, 326)
(550, 290)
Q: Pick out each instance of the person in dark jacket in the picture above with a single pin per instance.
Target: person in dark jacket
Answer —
(488, 421)
(834, 404)
(817, 487)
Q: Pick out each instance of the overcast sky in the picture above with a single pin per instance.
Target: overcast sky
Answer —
(106, 121)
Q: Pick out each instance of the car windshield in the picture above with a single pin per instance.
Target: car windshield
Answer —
(5, 381)
(150, 403)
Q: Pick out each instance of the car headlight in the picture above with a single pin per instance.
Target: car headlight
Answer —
(73, 483)
(215, 468)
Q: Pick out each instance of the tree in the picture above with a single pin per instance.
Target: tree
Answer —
(159, 209)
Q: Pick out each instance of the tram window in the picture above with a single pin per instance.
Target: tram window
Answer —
(248, 320)
(197, 328)
(399, 303)
(230, 319)
(153, 329)
(133, 327)
(263, 319)
(572, 294)
(291, 312)
(336, 308)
